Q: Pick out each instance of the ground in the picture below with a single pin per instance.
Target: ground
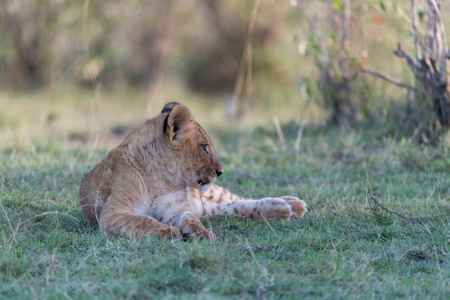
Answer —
(345, 247)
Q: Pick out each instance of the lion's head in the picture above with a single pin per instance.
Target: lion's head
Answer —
(193, 159)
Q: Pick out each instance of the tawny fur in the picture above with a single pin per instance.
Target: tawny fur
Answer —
(158, 181)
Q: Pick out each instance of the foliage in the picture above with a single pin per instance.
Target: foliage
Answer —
(226, 48)
(429, 106)
(50, 43)
(27, 30)
(336, 47)
(432, 91)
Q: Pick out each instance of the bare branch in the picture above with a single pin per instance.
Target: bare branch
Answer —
(414, 25)
(324, 59)
(429, 39)
(401, 53)
(343, 61)
(443, 39)
(249, 49)
(386, 77)
(345, 25)
(352, 77)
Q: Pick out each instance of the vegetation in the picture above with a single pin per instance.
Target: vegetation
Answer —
(346, 246)
(430, 109)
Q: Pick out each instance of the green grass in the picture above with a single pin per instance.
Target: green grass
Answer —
(346, 247)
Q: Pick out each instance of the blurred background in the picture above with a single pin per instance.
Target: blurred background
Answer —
(89, 70)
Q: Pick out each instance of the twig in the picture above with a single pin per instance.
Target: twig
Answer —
(386, 77)
(410, 220)
(390, 211)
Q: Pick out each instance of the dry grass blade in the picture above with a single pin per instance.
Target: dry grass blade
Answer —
(245, 68)
(262, 289)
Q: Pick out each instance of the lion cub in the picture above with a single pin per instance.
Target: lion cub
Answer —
(159, 181)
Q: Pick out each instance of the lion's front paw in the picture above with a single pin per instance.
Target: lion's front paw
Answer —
(298, 206)
(191, 226)
(274, 209)
(170, 232)
(205, 234)
(200, 234)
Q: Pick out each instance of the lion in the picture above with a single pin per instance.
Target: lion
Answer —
(159, 182)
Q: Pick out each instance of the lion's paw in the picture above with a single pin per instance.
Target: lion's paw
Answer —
(170, 232)
(205, 234)
(298, 206)
(200, 235)
(274, 209)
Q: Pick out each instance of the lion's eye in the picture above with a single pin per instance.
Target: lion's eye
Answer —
(205, 148)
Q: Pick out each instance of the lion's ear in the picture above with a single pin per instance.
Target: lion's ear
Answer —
(169, 106)
(179, 124)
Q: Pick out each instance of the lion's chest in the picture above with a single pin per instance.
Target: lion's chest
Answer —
(165, 207)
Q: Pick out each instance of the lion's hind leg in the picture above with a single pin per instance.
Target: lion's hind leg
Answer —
(268, 209)
(90, 199)
(219, 201)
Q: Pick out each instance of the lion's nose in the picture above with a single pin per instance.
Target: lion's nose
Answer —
(218, 173)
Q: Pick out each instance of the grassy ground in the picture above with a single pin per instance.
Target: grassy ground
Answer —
(346, 247)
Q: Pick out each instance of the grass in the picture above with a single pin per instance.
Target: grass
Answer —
(346, 247)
